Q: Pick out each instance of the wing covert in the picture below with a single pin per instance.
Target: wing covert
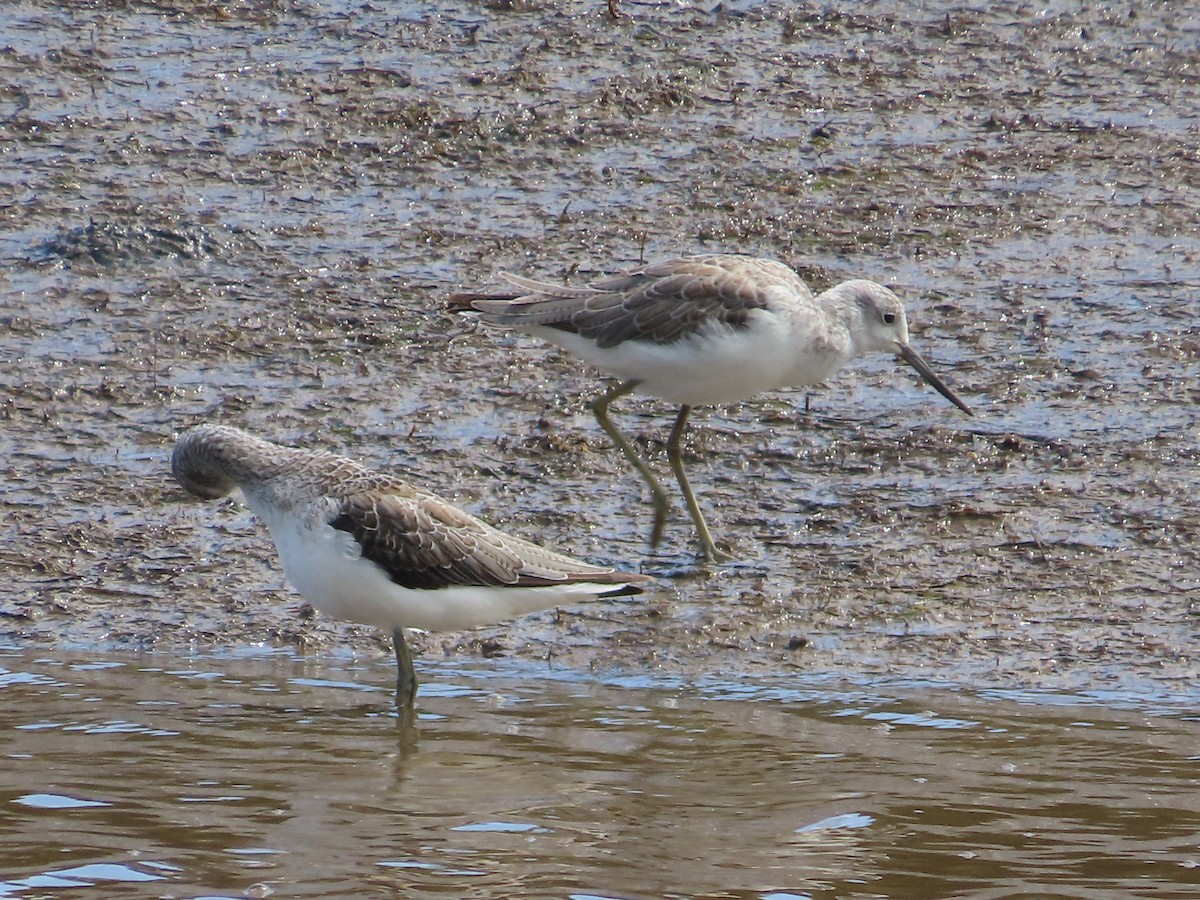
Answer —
(659, 303)
(424, 543)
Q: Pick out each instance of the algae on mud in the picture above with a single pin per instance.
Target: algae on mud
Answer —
(1026, 181)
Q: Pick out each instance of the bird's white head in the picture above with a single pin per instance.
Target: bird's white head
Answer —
(875, 320)
(873, 315)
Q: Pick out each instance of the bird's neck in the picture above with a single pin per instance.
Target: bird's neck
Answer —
(267, 479)
(827, 343)
(845, 322)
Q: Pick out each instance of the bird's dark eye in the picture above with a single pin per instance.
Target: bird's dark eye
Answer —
(889, 318)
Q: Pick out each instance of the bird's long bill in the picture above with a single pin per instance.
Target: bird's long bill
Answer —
(914, 359)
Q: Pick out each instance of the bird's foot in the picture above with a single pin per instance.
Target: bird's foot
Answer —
(711, 553)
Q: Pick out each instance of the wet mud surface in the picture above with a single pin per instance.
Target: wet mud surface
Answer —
(253, 213)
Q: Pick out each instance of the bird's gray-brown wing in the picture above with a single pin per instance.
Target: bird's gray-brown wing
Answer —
(423, 542)
(659, 303)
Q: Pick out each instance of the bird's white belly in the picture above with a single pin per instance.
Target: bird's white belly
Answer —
(723, 366)
(325, 566)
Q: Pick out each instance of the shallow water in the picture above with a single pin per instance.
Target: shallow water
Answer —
(219, 776)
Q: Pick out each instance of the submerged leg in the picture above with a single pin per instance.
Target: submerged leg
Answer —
(708, 547)
(406, 678)
(658, 495)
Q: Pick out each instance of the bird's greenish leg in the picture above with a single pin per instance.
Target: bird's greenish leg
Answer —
(708, 547)
(406, 677)
(659, 496)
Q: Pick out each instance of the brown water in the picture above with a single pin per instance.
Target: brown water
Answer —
(217, 776)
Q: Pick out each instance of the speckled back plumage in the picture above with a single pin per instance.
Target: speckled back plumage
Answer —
(658, 303)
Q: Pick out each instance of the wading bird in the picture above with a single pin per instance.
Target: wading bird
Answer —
(704, 330)
(372, 548)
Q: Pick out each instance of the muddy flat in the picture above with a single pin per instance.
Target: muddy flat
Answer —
(254, 213)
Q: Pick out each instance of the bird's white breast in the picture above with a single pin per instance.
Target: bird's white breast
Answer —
(719, 364)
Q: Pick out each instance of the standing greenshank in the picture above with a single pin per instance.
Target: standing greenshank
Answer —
(372, 548)
(704, 330)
